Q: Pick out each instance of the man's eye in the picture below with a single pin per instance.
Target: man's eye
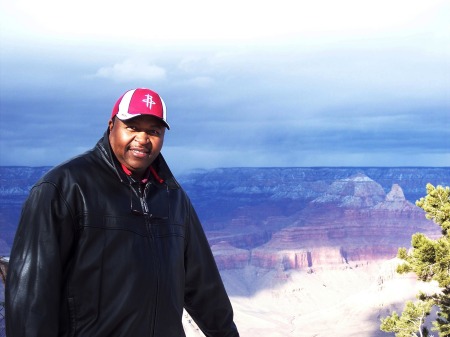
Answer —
(131, 128)
(154, 132)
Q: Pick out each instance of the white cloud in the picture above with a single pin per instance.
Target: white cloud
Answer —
(130, 70)
(204, 20)
(200, 82)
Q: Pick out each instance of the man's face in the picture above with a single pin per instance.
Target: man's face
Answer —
(136, 142)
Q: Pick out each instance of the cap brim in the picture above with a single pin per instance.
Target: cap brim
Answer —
(126, 118)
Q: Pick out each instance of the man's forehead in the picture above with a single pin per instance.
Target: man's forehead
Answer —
(145, 120)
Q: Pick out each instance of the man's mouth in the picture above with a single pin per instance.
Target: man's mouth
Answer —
(141, 153)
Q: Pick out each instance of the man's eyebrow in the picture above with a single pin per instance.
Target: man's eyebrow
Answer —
(157, 126)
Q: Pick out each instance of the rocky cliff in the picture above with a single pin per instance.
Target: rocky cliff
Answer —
(353, 220)
(283, 217)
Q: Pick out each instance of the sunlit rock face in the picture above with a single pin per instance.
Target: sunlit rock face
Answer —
(353, 220)
(229, 257)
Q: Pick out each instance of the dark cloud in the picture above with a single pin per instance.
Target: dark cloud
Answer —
(381, 102)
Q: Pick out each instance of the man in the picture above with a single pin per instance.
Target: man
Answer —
(109, 244)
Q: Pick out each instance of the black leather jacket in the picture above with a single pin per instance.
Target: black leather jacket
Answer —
(96, 254)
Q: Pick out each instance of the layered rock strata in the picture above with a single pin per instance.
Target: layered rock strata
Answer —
(354, 220)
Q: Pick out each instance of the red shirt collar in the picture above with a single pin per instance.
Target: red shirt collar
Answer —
(128, 173)
(147, 174)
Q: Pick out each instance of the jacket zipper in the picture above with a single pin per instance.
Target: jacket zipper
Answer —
(143, 190)
(142, 196)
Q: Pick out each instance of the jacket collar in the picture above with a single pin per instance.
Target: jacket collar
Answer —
(161, 171)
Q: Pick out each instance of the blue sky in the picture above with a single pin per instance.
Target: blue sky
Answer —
(246, 83)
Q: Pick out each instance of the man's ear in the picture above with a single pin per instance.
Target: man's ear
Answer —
(111, 124)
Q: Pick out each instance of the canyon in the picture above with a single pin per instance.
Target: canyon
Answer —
(353, 220)
(302, 251)
(289, 218)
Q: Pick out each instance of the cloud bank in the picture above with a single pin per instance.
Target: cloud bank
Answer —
(246, 84)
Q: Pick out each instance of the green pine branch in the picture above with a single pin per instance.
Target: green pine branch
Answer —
(430, 261)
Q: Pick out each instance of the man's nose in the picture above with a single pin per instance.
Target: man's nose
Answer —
(141, 138)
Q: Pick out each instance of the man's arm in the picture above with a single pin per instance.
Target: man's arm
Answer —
(33, 285)
(205, 297)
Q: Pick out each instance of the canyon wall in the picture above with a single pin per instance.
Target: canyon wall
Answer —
(353, 220)
(284, 218)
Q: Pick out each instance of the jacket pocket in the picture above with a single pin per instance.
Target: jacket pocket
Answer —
(161, 229)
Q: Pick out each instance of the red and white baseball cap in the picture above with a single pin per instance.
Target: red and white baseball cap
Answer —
(138, 102)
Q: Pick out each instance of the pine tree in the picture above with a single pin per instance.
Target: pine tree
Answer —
(430, 261)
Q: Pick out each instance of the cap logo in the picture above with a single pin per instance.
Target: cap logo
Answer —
(149, 101)
(129, 105)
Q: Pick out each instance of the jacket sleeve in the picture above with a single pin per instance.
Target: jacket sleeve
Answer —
(41, 245)
(205, 297)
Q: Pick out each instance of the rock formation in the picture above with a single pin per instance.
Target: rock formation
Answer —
(354, 220)
(286, 218)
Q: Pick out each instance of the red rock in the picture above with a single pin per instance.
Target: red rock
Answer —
(353, 221)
